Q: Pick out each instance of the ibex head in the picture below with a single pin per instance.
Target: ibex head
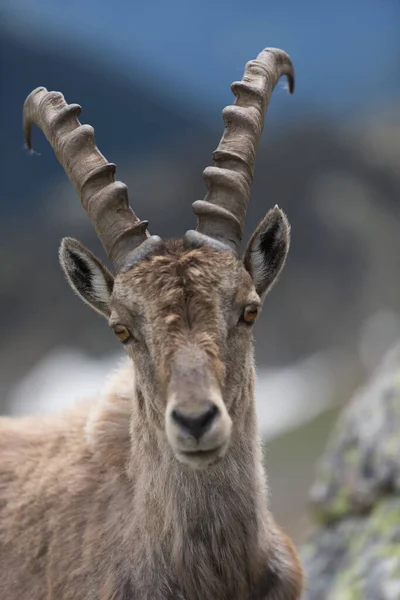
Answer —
(184, 309)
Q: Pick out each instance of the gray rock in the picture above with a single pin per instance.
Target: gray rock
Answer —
(354, 552)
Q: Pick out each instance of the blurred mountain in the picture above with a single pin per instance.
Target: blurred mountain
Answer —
(130, 120)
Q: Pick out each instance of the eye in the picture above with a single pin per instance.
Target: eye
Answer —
(122, 333)
(250, 314)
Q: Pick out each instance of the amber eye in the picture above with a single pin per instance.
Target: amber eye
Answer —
(250, 314)
(122, 333)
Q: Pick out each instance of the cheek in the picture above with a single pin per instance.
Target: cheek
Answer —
(239, 357)
(144, 366)
(149, 375)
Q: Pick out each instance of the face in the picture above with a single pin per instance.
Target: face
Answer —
(186, 319)
(185, 316)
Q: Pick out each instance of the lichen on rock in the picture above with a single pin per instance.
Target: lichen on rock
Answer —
(354, 553)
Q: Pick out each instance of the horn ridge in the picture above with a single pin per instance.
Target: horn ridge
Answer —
(104, 199)
(229, 180)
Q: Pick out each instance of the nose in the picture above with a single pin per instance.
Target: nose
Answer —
(196, 424)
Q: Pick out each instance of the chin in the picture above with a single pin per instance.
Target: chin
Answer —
(202, 459)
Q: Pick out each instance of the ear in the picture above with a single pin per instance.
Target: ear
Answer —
(87, 276)
(266, 252)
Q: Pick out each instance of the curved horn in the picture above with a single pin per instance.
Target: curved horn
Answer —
(104, 199)
(222, 213)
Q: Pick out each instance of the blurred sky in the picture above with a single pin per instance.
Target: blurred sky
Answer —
(338, 47)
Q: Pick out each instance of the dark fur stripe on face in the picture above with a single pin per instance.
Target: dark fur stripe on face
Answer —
(127, 591)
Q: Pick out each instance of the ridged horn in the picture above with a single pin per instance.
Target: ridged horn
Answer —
(222, 213)
(104, 199)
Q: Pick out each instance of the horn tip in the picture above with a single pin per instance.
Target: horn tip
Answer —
(291, 81)
(284, 61)
(27, 115)
(29, 150)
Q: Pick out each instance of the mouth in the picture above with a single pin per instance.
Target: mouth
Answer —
(201, 458)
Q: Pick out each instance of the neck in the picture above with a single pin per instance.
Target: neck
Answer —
(209, 527)
(199, 511)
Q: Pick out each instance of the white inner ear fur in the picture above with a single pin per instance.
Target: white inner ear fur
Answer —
(99, 290)
(258, 264)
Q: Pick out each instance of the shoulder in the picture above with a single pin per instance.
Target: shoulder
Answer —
(107, 428)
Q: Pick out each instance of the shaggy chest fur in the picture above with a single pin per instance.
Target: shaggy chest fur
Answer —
(69, 539)
(198, 539)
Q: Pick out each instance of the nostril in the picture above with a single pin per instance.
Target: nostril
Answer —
(207, 418)
(196, 425)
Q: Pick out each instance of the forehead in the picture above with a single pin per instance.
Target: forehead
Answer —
(179, 273)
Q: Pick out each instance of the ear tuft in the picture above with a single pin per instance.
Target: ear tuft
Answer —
(87, 275)
(267, 250)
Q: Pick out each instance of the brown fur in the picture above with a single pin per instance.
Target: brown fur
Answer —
(94, 504)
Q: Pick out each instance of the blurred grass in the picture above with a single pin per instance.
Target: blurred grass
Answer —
(290, 461)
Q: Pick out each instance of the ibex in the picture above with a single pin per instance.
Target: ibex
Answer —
(157, 490)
